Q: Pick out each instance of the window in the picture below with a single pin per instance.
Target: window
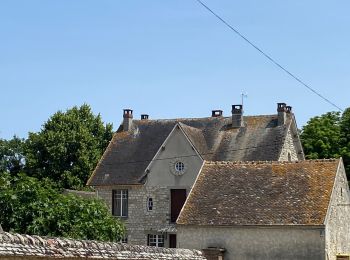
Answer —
(124, 240)
(149, 204)
(343, 257)
(289, 157)
(179, 167)
(120, 203)
(155, 240)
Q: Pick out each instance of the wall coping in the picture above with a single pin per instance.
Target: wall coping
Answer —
(36, 246)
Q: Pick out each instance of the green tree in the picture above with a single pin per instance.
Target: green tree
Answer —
(68, 147)
(30, 206)
(345, 139)
(321, 136)
(12, 158)
(328, 136)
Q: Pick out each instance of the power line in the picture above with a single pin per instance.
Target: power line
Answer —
(192, 155)
(269, 57)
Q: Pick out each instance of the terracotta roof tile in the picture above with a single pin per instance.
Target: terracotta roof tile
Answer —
(261, 193)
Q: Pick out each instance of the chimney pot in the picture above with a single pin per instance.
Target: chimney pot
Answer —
(216, 113)
(144, 117)
(282, 113)
(288, 109)
(127, 113)
(237, 116)
(127, 119)
(281, 107)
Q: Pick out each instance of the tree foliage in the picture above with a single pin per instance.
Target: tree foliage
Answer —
(328, 136)
(30, 206)
(12, 157)
(345, 139)
(68, 147)
(321, 136)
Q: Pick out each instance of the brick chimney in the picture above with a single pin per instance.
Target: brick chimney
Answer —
(282, 113)
(127, 119)
(216, 113)
(237, 116)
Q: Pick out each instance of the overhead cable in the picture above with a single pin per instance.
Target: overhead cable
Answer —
(269, 57)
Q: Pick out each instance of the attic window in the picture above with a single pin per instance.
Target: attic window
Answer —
(179, 167)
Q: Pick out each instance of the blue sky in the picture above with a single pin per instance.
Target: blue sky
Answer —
(168, 58)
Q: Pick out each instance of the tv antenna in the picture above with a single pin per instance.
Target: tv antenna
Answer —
(243, 96)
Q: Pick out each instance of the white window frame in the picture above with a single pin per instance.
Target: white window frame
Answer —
(121, 195)
(155, 240)
(179, 167)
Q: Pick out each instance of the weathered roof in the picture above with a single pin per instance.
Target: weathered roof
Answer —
(261, 193)
(15, 245)
(129, 152)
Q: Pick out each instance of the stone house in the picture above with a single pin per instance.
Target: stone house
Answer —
(149, 167)
(269, 210)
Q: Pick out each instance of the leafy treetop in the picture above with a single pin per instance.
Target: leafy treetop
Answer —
(328, 136)
(68, 147)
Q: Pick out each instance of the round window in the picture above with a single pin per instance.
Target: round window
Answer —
(179, 167)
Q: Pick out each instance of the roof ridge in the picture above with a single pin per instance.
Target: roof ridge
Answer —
(269, 162)
(199, 118)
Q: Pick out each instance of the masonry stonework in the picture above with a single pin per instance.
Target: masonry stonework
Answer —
(338, 219)
(141, 222)
(289, 152)
(20, 247)
(258, 243)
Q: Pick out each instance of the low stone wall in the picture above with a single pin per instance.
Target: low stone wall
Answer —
(15, 246)
(83, 194)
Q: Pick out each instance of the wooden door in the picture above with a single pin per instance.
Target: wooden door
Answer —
(172, 241)
(178, 198)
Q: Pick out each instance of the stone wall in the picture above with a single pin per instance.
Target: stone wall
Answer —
(257, 242)
(338, 218)
(83, 194)
(141, 222)
(289, 149)
(15, 246)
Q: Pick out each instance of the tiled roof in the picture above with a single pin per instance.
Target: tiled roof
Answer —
(129, 153)
(261, 193)
(15, 245)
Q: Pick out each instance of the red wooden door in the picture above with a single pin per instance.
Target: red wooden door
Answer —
(178, 198)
